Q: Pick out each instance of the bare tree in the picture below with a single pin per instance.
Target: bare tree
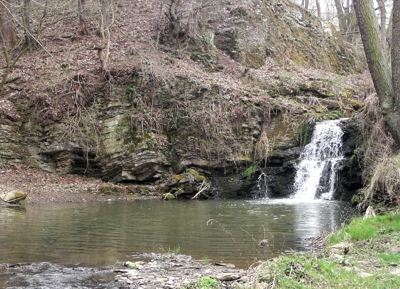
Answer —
(82, 21)
(16, 34)
(383, 18)
(8, 34)
(386, 79)
(26, 10)
(341, 16)
(8, 40)
(395, 53)
(305, 4)
(179, 19)
(106, 21)
(318, 4)
(105, 15)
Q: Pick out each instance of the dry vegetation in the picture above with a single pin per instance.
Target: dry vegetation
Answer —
(62, 79)
(379, 160)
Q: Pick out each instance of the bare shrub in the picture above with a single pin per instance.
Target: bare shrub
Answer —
(262, 148)
(179, 20)
(380, 167)
(386, 180)
(376, 143)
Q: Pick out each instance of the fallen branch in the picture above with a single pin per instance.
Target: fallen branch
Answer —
(204, 186)
(12, 79)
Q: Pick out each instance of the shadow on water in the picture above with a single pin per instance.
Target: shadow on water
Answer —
(54, 236)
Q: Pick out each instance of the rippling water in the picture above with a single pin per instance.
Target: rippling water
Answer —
(101, 234)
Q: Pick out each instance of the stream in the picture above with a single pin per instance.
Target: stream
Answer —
(71, 238)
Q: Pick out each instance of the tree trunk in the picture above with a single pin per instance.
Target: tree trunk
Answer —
(389, 31)
(395, 52)
(383, 12)
(106, 21)
(105, 15)
(7, 29)
(378, 62)
(26, 10)
(341, 17)
(305, 4)
(318, 8)
(82, 21)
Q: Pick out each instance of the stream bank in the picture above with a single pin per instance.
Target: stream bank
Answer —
(152, 271)
(374, 261)
(45, 187)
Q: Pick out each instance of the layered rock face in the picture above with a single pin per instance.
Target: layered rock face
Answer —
(230, 100)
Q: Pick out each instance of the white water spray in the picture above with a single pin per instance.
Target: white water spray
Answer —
(262, 185)
(317, 170)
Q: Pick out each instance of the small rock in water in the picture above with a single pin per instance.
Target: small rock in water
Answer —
(228, 265)
(14, 197)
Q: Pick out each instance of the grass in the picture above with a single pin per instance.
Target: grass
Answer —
(205, 261)
(362, 229)
(370, 263)
(169, 250)
(203, 283)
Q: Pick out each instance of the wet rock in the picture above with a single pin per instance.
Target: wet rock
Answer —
(173, 271)
(190, 184)
(47, 275)
(14, 197)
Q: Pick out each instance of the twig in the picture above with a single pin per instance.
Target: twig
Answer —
(204, 186)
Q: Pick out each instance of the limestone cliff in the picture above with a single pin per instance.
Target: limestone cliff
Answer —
(230, 89)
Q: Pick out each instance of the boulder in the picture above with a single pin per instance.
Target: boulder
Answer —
(14, 197)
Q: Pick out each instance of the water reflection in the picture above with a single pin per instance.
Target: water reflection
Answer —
(101, 234)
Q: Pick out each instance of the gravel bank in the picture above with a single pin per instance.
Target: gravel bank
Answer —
(44, 187)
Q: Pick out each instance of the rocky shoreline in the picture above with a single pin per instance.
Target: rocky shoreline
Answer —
(175, 271)
(151, 271)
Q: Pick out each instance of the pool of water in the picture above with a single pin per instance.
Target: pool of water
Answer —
(100, 234)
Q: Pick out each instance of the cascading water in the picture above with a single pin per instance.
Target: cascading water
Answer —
(317, 170)
(262, 185)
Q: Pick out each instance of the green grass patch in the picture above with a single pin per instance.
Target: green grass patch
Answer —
(363, 229)
(203, 283)
(299, 271)
(371, 261)
(169, 250)
(305, 271)
(387, 258)
(205, 261)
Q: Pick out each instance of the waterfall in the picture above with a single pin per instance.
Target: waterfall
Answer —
(262, 185)
(317, 171)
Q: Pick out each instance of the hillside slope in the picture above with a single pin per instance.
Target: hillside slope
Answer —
(219, 88)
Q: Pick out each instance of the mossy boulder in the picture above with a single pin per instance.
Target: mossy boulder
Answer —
(189, 184)
(14, 197)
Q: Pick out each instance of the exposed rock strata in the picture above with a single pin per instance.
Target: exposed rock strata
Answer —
(230, 98)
